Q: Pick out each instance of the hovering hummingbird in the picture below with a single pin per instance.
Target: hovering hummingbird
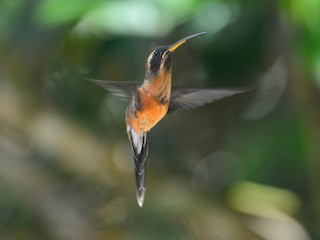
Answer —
(153, 99)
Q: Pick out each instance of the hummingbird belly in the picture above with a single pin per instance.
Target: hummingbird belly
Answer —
(151, 112)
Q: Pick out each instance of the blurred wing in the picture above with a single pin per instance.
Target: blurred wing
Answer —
(123, 90)
(182, 98)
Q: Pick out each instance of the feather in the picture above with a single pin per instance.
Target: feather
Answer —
(139, 146)
(123, 90)
(184, 98)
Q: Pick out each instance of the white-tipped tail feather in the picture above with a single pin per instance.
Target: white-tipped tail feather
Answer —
(139, 145)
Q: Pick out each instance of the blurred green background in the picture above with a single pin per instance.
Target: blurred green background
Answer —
(246, 167)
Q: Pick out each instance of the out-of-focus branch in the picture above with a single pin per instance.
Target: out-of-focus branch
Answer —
(25, 132)
(61, 219)
(308, 100)
(47, 131)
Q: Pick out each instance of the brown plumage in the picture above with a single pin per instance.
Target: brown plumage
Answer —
(152, 100)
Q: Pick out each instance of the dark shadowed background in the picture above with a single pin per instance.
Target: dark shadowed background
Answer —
(246, 167)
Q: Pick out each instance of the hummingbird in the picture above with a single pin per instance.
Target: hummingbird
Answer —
(153, 99)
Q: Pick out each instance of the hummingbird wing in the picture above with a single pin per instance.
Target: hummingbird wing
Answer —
(188, 98)
(123, 90)
(139, 145)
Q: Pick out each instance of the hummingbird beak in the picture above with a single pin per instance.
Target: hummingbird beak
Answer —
(174, 46)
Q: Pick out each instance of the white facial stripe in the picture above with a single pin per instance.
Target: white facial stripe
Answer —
(149, 58)
(165, 54)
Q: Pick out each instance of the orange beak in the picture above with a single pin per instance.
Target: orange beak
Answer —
(177, 44)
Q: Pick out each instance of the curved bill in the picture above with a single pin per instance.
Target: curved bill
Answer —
(174, 46)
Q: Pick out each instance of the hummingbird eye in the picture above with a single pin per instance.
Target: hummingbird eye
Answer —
(156, 53)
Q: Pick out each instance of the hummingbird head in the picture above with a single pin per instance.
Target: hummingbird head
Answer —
(159, 59)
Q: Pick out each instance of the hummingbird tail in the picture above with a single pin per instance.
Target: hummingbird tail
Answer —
(141, 186)
(139, 145)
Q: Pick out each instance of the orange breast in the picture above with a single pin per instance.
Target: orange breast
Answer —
(151, 112)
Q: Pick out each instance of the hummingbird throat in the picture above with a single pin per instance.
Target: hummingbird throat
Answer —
(159, 87)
